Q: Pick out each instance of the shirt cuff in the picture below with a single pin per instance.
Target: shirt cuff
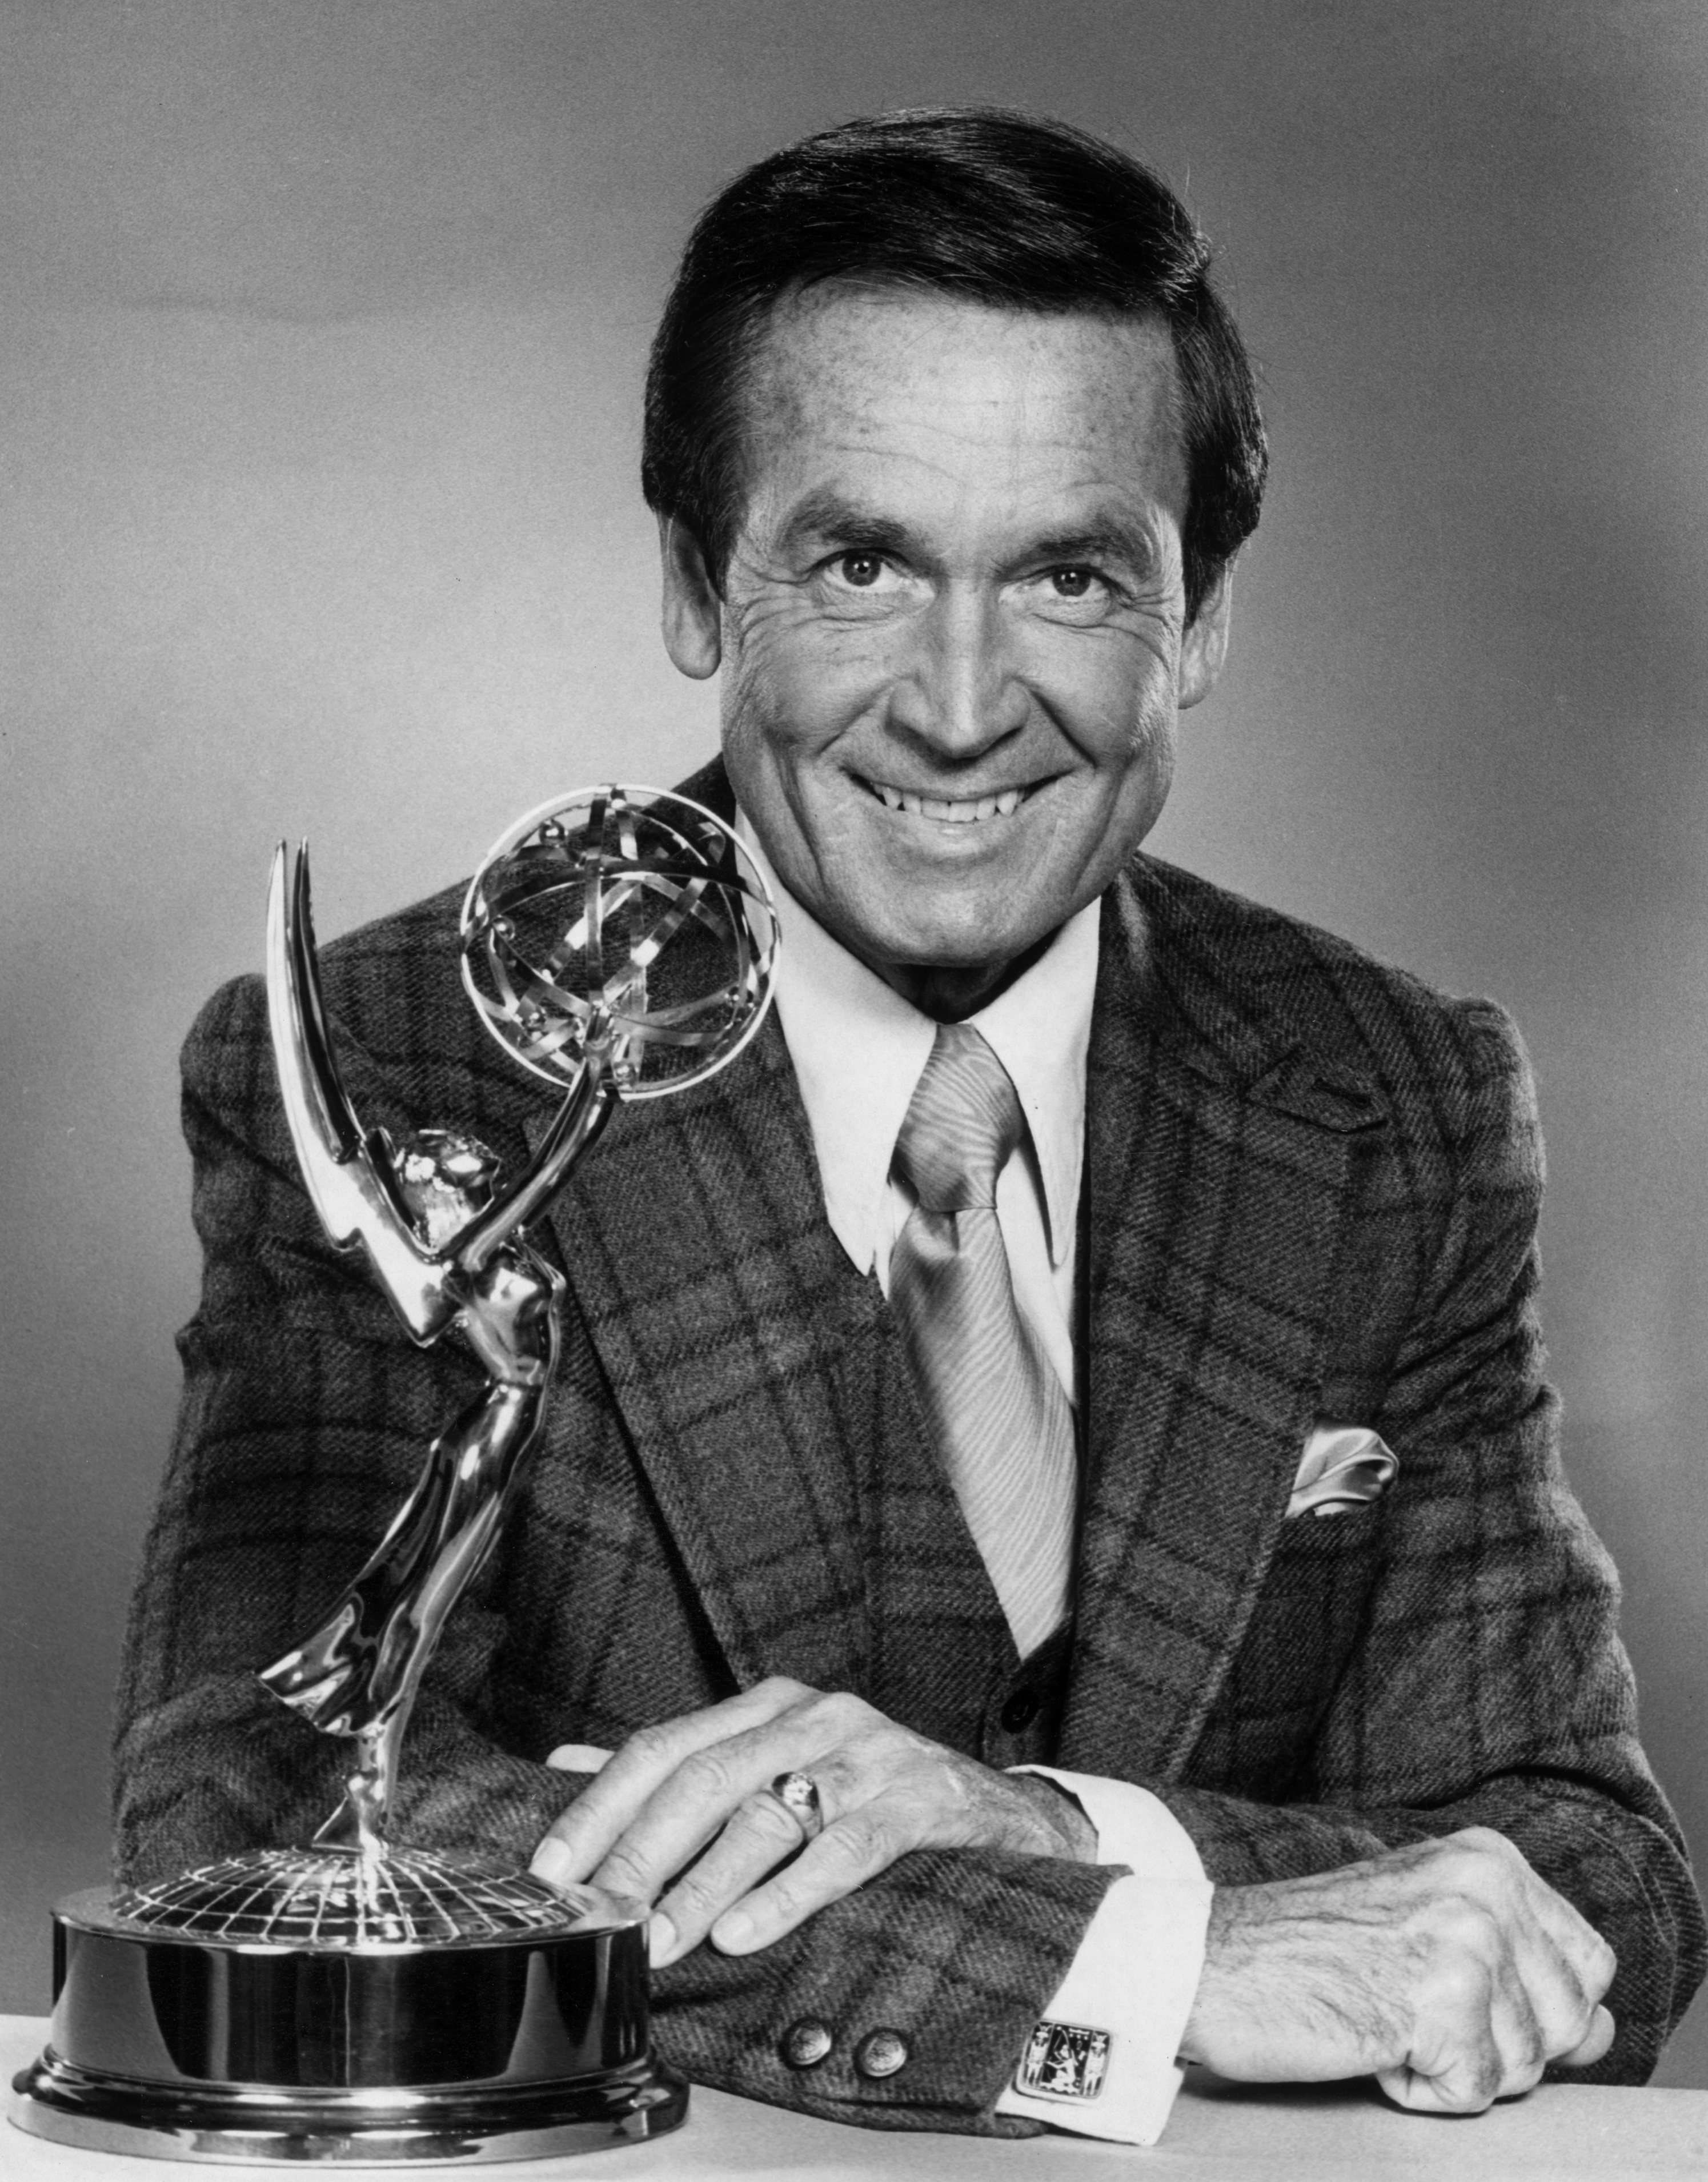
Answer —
(1102, 2061)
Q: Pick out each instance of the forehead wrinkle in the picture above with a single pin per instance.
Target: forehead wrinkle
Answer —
(788, 396)
(969, 392)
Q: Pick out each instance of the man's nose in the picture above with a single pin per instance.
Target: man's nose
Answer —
(959, 691)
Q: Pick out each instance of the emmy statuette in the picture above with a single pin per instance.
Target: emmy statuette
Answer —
(358, 2001)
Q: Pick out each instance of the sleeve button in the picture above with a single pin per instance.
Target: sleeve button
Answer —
(1020, 1711)
(881, 2053)
(805, 2043)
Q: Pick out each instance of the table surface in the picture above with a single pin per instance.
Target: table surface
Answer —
(1218, 2133)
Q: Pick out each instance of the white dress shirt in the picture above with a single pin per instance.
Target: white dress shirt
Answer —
(859, 1049)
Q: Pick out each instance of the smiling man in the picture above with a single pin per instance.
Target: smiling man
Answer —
(923, 1598)
(955, 618)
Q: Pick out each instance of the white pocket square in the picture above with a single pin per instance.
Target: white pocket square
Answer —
(1342, 1466)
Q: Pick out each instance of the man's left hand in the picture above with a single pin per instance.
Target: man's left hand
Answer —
(694, 1792)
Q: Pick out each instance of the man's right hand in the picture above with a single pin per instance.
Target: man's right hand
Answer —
(1448, 1969)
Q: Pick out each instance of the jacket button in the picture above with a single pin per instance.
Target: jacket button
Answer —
(1020, 1711)
(881, 2053)
(805, 2043)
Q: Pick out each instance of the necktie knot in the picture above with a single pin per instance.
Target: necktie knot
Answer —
(962, 1126)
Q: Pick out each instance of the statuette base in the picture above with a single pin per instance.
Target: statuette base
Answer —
(349, 2049)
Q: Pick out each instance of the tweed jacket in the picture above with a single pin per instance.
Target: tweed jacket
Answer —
(1311, 1193)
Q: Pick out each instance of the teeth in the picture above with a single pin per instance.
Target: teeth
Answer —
(949, 810)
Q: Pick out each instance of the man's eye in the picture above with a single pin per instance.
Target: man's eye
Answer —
(1074, 583)
(861, 570)
(862, 580)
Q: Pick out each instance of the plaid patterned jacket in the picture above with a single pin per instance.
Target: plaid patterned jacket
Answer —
(1311, 1191)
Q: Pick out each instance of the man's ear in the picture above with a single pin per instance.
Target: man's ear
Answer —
(1204, 644)
(692, 610)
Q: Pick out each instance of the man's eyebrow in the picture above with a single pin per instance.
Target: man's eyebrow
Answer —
(830, 514)
(1103, 541)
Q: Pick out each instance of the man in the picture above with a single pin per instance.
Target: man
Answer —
(950, 1385)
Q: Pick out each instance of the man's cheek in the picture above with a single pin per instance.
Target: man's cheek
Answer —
(788, 640)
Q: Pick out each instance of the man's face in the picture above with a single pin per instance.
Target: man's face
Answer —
(952, 624)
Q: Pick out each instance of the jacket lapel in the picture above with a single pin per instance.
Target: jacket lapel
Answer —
(738, 1342)
(1216, 1182)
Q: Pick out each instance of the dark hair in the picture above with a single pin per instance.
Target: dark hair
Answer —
(1004, 209)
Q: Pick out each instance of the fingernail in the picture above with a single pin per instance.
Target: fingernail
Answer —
(660, 1940)
(733, 1935)
(579, 1758)
(552, 1861)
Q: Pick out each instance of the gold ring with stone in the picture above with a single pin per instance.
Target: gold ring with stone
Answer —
(798, 1794)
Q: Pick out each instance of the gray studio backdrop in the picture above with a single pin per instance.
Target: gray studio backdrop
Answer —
(322, 334)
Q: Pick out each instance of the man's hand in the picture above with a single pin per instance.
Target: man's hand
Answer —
(695, 1788)
(1448, 1969)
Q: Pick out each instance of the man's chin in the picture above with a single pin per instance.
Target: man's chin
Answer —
(890, 940)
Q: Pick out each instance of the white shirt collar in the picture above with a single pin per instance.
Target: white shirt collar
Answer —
(859, 1049)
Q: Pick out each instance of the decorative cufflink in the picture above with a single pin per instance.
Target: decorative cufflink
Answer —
(1063, 2061)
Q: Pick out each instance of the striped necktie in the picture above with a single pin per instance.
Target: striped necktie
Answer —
(1004, 1424)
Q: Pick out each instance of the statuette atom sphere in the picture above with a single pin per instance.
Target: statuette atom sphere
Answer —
(625, 930)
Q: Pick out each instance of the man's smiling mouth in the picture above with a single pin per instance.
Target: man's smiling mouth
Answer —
(955, 810)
